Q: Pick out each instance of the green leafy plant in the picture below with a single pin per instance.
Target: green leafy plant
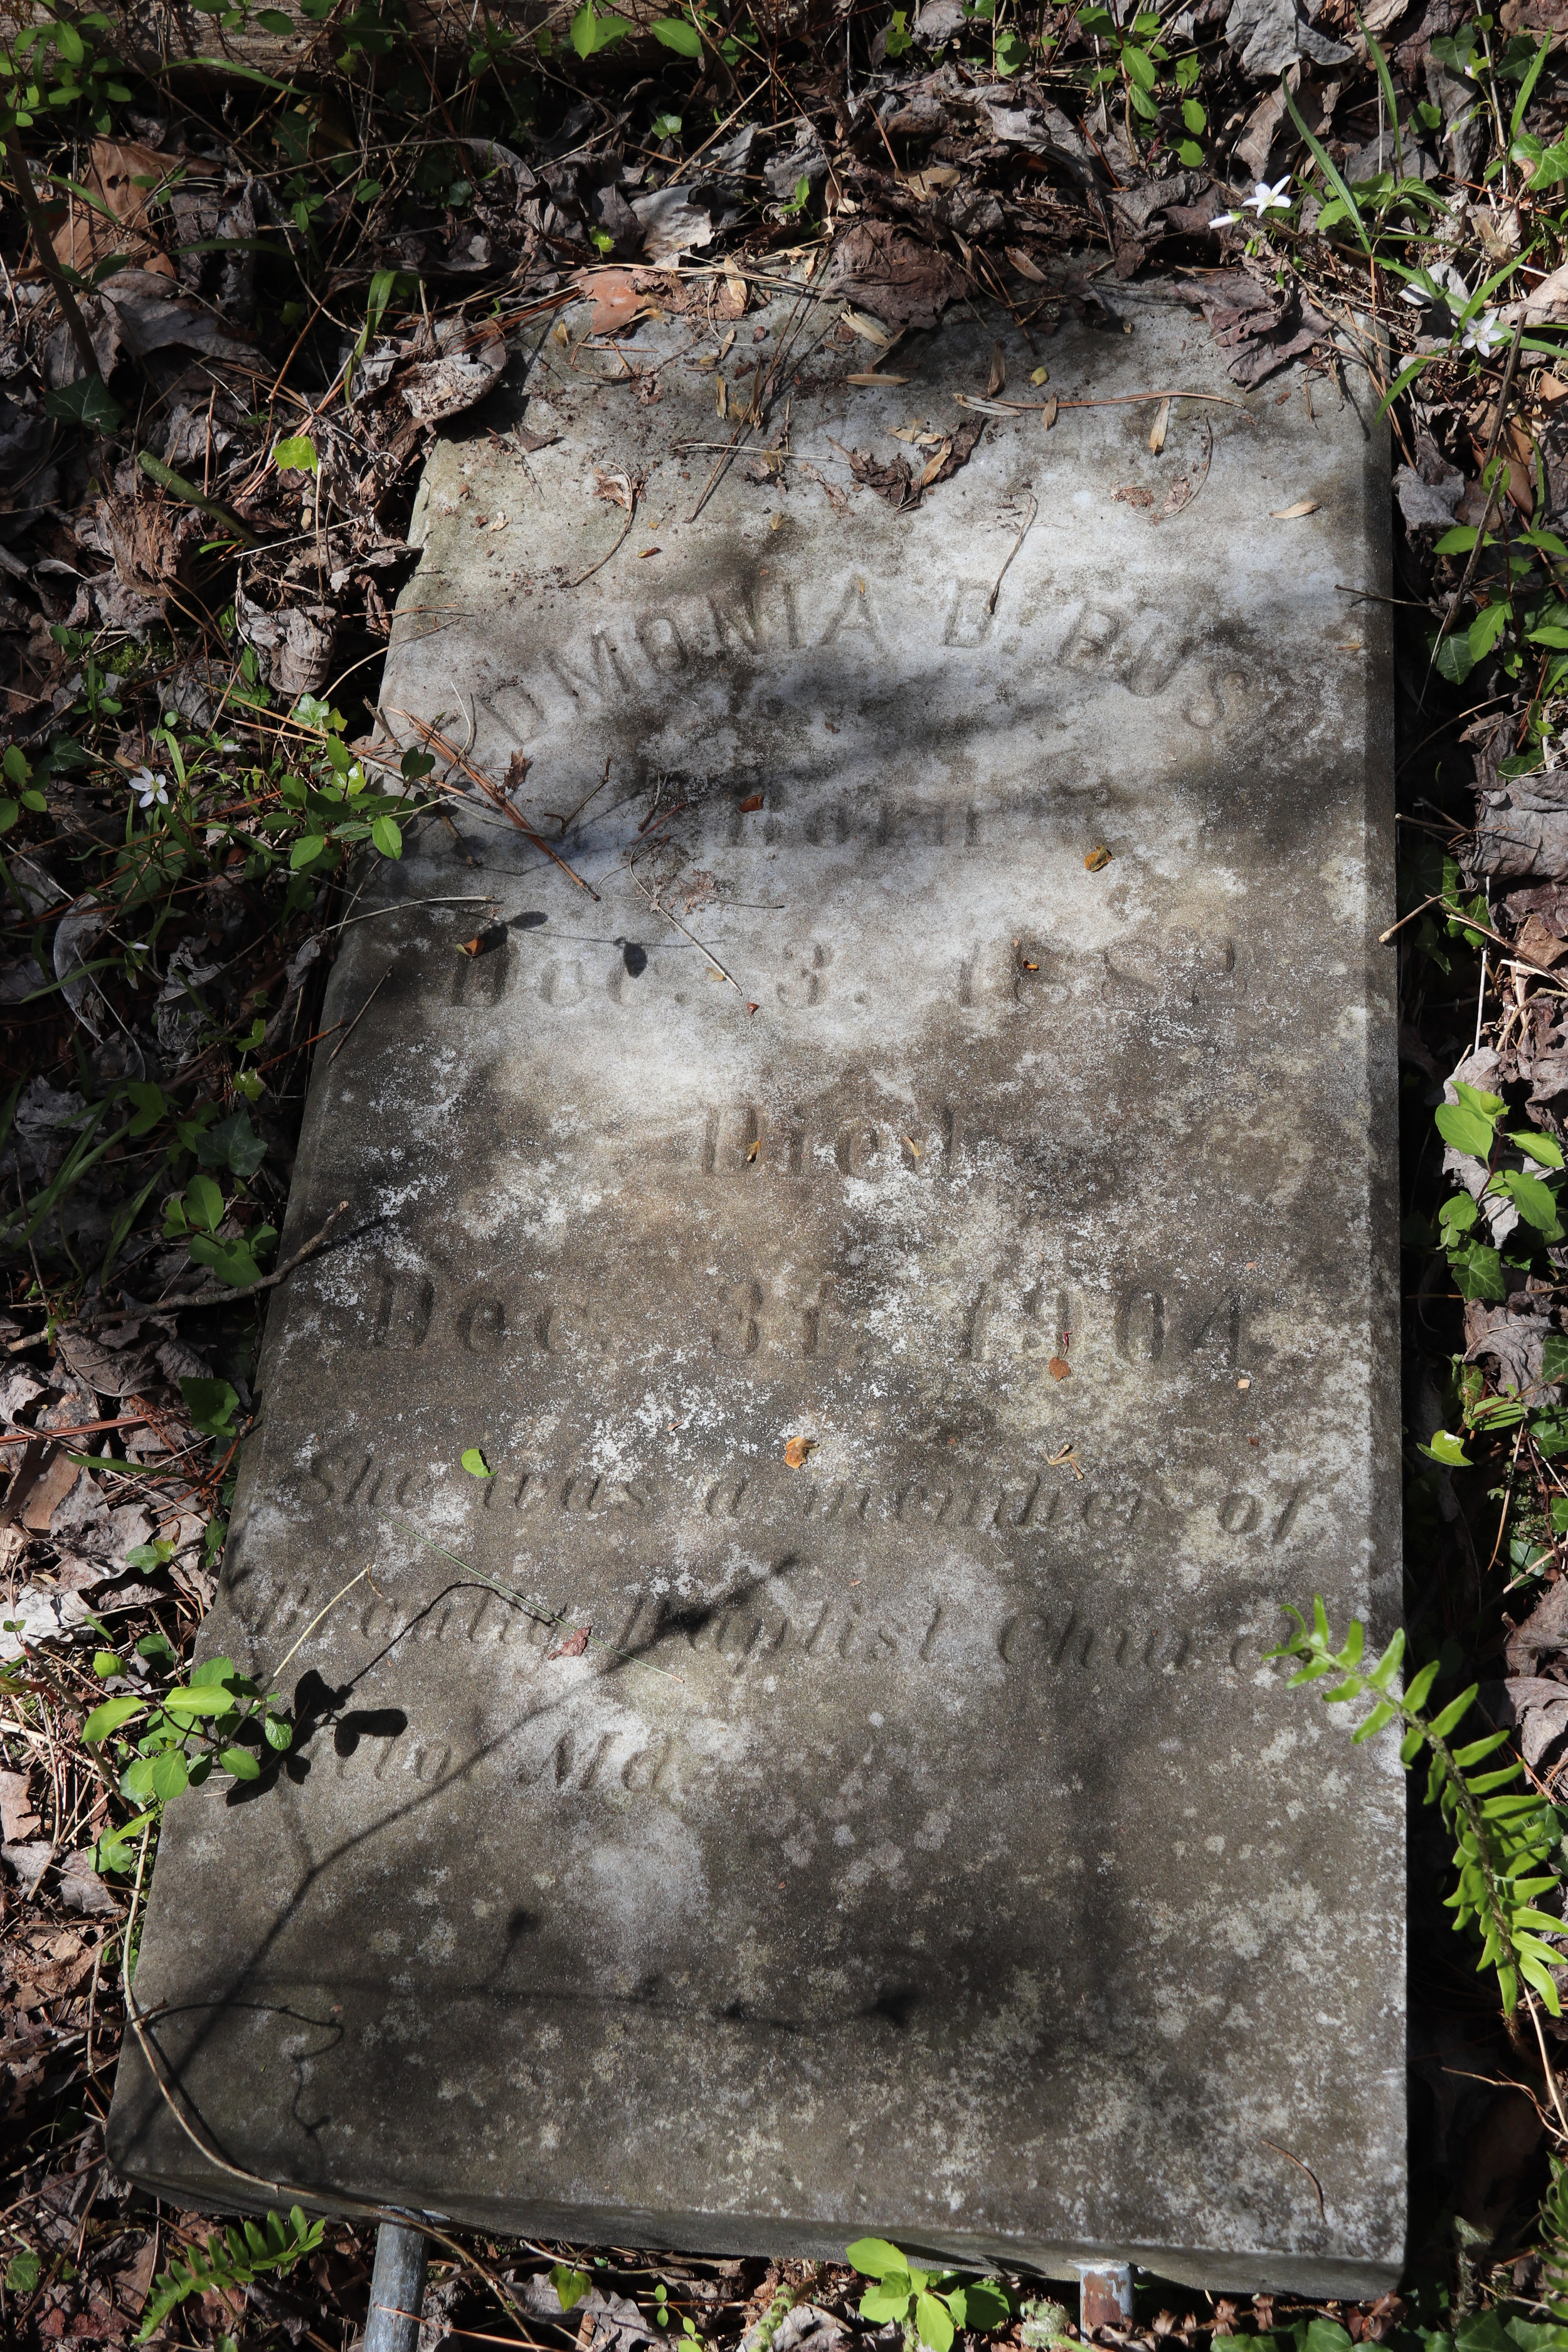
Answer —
(1554, 2242)
(219, 1718)
(930, 2306)
(591, 34)
(691, 2336)
(23, 2272)
(231, 2257)
(1471, 1125)
(1505, 1837)
(19, 778)
(571, 2285)
(1136, 54)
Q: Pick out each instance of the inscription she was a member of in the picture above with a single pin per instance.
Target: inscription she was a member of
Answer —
(1056, 1503)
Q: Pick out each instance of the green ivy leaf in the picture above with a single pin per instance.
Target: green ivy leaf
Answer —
(211, 1405)
(571, 2285)
(204, 1203)
(89, 401)
(1448, 1449)
(149, 1105)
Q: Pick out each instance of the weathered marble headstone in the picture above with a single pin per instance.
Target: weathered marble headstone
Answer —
(922, 1289)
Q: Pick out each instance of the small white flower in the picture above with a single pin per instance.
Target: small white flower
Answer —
(1224, 220)
(1483, 334)
(149, 787)
(1265, 199)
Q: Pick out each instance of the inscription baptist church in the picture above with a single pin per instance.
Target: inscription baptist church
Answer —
(867, 1279)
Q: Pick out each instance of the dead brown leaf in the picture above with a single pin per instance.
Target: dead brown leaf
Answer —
(889, 272)
(1133, 494)
(797, 1450)
(615, 299)
(113, 168)
(1023, 265)
(1049, 413)
(998, 375)
(19, 1821)
(1099, 858)
(1158, 429)
(1059, 1369)
(935, 464)
(1293, 514)
(574, 1643)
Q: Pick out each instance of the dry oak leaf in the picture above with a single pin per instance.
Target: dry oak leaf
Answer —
(1059, 1369)
(1099, 857)
(615, 299)
(114, 167)
(889, 273)
(797, 1450)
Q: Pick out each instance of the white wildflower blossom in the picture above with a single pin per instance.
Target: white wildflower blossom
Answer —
(1483, 334)
(149, 786)
(1263, 199)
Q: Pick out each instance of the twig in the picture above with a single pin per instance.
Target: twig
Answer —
(1306, 2168)
(712, 482)
(660, 908)
(497, 798)
(631, 517)
(1112, 400)
(316, 1621)
(1384, 937)
(359, 1016)
(268, 1281)
(178, 486)
(1017, 543)
(85, 1428)
(1546, 2068)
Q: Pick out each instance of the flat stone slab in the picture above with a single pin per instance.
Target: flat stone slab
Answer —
(924, 1291)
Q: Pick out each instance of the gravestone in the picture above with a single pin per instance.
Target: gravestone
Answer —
(901, 1201)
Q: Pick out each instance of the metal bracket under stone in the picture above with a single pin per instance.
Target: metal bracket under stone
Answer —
(1105, 2296)
(396, 2290)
